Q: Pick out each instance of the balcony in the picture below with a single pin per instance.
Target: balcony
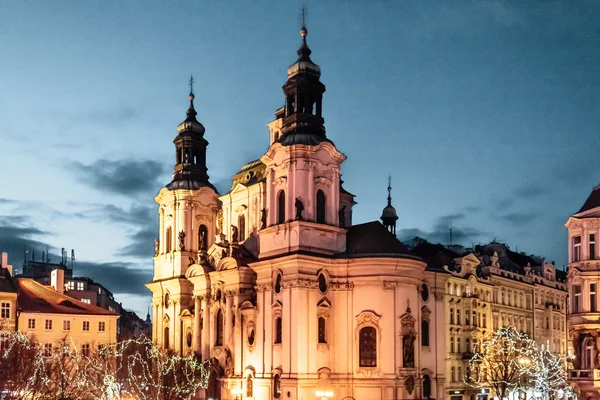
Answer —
(585, 374)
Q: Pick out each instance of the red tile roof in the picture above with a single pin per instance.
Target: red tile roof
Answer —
(35, 297)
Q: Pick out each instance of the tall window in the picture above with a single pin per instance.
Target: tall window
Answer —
(467, 317)
(31, 323)
(202, 237)
(468, 345)
(452, 316)
(278, 330)
(458, 316)
(592, 243)
(426, 386)
(424, 332)
(451, 344)
(276, 387)
(5, 310)
(166, 337)
(453, 375)
(484, 320)
(66, 325)
(85, 350)
(576, 248)
(169, 240)
(48, 324)
(320, 206)
(458, 345)
(593, 306)
(242, 228)
(367, 347)
(576, 298)
(47, 349)
(322, 338)
(281, 207)
(219, 341)
(86, 325)
(101, 326)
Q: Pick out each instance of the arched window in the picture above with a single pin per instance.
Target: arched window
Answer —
(588, 353)
(242, 228)
(278, 330)
(426, 386)
(169, 240)
(281, 207)
(249, 387)
(219, 341)
(367, 347)
(322, 336)
(202, 237)
(166, 337)
(320, 206)
(424, 333)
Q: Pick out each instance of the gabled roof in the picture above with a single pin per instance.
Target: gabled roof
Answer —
(7, 284)
(372, 239)
(592, 201)
(35, 297)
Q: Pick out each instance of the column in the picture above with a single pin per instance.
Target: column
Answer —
(290, 194)
(154, 323)
(161, 230)
(205, 329)
(335, 197)
(237, 337)
(271, 212)
(312, 212)
(228, 321)
(196, 329)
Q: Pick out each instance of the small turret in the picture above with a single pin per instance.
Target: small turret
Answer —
(389, 215)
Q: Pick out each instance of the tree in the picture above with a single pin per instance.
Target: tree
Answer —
(550, 374)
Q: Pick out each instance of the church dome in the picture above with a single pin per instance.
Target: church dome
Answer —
(389, 212)
(304, 65)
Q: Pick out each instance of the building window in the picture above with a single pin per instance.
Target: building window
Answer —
(468, 345)
(322, 283)
(368, 347)
(166, 337)
(467, 317)
(101, 326)
(31, 323)
(71, 285)
(593, 306)
(277, 286)
(86, 301)
(66, 325)
(168, 240)
(426, 386)
(458, 346)
(484, 320)
(592, 243)
(219, 320)
(4, 342)
(242, 228)
(576, 248)
(48, 324)
(278, 330)
(281, 207)
(452, 316)
(460, 377)
(79, 285)
(458, 316)
(322, 338)
(474, 318)
(85, 350)
(451, 344)
(202, 237)
(452, 374)
(5, 310)
(424, 333)
(577, 299)
(47, 349)
(320, 207)
(86, 325)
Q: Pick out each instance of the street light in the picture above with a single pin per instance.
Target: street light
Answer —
(324, 395)
(236, 392)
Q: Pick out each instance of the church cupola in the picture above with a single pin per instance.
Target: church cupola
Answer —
(190, 152)
(389, 216)
(302, 114)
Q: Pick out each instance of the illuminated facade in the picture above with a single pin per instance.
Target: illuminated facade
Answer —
(584, 279)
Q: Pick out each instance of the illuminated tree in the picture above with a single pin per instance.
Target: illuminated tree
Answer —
(550, 374)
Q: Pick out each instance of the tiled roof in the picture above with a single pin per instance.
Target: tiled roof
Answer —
(436, 256)
(592, 201)
(372, 238)
(35, 297)
(7, 284)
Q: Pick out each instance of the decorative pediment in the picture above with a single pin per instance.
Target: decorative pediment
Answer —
(323, 308)
(368, 318)
(574, 275)
(197, 270)
(227, 263)
(185, 313)
(241, 209)
(321, 180)
(407, 321)
(277, 308)
(280, 181)
(425, 313)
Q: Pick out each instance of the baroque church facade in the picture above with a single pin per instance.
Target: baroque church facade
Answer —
(287, 297)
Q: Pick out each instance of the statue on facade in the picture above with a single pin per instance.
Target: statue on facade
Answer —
(219, 221)
(495, 262)
(202, 244)
(191, 261)
(228, 363)
(181, 237)
(234, 234)
(342, 217)
(263, 218)
(299, 209)
(408, 348)
(156, 247)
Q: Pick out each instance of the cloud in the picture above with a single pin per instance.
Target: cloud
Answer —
(118, 277)
(122, 177)
(440, 232)
(529, 191)
(111, 116)
(18, 234)
(520, 218)
(142, 245)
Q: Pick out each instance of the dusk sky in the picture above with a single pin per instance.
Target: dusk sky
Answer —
(485, 114)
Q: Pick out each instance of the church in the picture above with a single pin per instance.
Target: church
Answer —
(289, 299)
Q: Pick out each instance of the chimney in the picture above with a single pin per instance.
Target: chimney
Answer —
(58, 280)
(4, 263)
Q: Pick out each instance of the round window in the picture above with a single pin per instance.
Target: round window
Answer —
(251, 337)
(188, 339)
(278, 283)
(322, 283)
(424, 292)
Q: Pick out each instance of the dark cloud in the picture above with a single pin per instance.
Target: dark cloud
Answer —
(142, 243)
(123, 177)
(520, 218)
(118, 277)
(441, 231)
(529, 191)
(18, 234)
(114, 116)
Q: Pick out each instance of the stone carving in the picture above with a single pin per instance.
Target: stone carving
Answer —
(264, 288)
(263, 218)
(300, 283)
(389, 285)
(219, 221)
(234, 234)
(409, 383)
(299, 209)
(181, 237)
(342, 217)
(156, 247)
(408, 350)
(341, 285)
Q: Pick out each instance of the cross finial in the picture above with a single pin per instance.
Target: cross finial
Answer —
(389, 199)
(191, 84)
(303, 15)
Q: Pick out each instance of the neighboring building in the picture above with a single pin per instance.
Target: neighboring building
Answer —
(584, 281)
(488, 288)
(42, 268)
(8, 296)
(274, 283)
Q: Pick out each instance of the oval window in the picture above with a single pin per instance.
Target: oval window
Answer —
(424, 292)
(278, 283)
(251, 337)
(166, 301)
(188, 339)
(322, 283)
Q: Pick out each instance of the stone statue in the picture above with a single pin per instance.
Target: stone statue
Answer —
(202, 241)
(342, 217)
(191, 261)
(299, 209)
(220, 221)
(181, 237)
(263, 218)
(408, 350)
(495, 262)
(156, 247)
(228, 363)
(234, 234)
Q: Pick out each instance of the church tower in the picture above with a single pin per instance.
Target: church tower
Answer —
(389, 216)
(302, 170)
(187, 211)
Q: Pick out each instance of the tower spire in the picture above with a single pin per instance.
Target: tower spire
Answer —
(389, 199)
(389, 215)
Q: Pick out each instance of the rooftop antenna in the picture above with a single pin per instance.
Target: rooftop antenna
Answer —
(72, 258)
(450, 229)
(47, 254)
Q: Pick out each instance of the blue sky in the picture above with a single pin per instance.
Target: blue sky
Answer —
(485, 113)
